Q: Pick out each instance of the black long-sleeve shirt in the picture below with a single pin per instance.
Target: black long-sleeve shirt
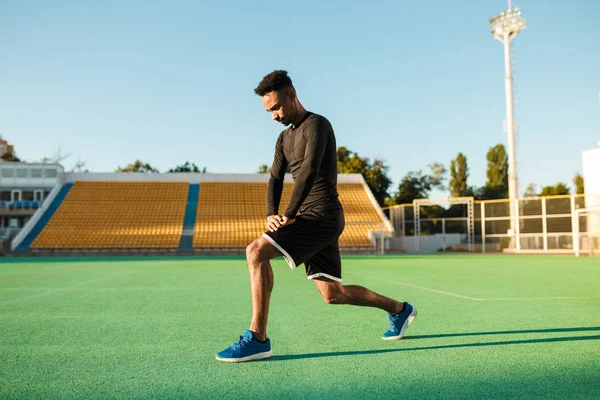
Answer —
(309, 150)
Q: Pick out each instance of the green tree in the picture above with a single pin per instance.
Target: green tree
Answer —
(137, 166)
(578, 182)
(349, 162)
(418, 185)
(459, 172)
(553, 190)
(530, 190)
(10, 157)
(496, 186)
(437, 175)
(374, 172)
(378, 180)
(187, 167)
(414, 185)
(343, 156)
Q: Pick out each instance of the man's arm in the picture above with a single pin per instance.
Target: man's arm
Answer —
(276, 180)
(317, 134)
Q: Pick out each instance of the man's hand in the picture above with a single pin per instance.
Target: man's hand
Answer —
(287, 221)
(275, 222)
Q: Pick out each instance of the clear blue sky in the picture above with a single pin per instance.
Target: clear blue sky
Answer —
(411, 82)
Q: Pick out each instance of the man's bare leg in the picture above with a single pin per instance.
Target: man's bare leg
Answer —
(335, 293)
(254, 344)
(401, 314)
(258, 254)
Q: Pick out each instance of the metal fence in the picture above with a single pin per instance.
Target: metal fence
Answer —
(545, 224)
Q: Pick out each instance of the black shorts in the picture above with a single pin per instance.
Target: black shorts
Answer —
(314, 242)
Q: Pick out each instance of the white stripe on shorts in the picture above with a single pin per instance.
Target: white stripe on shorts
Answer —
(288, 259)
(320, 274)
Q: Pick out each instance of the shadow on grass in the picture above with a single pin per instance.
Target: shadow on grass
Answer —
(555, 330)
(455, 346)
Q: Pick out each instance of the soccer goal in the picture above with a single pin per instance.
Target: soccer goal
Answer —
(586, 231)
(444, 223)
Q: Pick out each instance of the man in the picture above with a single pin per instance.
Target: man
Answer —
(308, 231)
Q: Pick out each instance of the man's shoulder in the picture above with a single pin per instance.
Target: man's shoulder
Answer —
(282, 134)
(317, 122)
(314, 117)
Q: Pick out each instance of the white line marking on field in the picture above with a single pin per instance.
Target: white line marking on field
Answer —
(476, 298)
(61, 289)
(424, 288)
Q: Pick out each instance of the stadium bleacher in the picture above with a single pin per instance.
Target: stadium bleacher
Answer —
(117, 215)
(232, 215)
(150, 215)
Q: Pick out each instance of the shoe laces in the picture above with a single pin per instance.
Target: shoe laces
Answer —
(242, 341)
(392, 318)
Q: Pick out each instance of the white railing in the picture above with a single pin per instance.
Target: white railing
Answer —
(546, 224)
(577, 235)
(36, 217)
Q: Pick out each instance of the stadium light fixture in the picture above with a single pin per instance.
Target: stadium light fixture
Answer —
(505, 27)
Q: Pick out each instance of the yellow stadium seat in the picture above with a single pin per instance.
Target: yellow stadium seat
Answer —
(117, 215)
(232, 214)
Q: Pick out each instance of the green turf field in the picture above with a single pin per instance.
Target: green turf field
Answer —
(520, 327)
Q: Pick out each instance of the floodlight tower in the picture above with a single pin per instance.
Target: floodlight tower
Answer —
(505, 27)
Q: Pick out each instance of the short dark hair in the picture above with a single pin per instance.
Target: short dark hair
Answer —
(276, 80)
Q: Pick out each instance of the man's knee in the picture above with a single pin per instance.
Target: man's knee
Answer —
(253, 251)
(258, 251)
(334, 295)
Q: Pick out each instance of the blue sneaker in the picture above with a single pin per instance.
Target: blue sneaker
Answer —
(399, 322)
(246, 349)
